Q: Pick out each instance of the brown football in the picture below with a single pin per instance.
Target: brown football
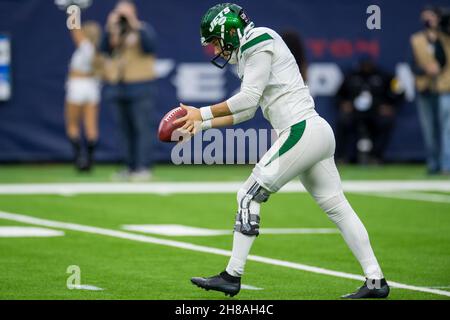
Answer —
(166, 126)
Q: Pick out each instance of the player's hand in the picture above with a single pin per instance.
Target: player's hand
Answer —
(192, 119)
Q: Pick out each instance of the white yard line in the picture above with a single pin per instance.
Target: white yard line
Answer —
(248, 287)
(18, 232)
(85, 287)
(164, 188)
(199, 248)
(182, 230)
(410, 195)
(298, 231)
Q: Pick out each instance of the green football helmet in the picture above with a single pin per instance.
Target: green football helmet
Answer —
(226, 23)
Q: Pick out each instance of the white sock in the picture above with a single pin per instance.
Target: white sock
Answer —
(356, 237)
(241, 249)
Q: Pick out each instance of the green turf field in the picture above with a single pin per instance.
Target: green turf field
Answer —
(65, 173)
(411, 239)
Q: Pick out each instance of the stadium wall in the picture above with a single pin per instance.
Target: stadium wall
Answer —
(334, 34)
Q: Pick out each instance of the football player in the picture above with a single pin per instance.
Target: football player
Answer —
(304, 148)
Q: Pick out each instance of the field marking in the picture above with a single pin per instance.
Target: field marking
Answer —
(182, 230)
(298, 231)
(25, 232)
(193, 247)
(166, 188)
(248, 287)
(85, 287)
(173, 230)
(417, 196)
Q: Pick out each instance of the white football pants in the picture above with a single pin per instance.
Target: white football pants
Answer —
(306, 150)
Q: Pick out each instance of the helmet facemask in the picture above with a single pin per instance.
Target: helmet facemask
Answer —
(227, 53)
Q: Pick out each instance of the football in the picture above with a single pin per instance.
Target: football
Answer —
(166, 126)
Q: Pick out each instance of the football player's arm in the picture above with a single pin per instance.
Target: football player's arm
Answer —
(256, 77)
(229, 120)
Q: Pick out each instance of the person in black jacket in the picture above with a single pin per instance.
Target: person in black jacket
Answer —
(366, 113)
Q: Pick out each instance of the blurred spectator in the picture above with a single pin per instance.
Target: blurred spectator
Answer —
(83, 93)
(431, 50)
(367, 109)
(129, 73)
(294, 42)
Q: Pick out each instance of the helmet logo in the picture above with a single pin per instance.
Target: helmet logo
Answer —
(219, 19)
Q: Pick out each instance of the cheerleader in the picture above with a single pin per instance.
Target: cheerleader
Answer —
(83, 94)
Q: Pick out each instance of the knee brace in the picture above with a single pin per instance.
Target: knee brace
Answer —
(247, 222)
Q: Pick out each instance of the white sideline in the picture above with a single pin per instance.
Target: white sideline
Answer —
(165, 188)
(199, 248)
(417, 196)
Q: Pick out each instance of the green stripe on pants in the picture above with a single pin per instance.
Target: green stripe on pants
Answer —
(295, 134)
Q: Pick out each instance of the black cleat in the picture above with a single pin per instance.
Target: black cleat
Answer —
(222, 282)
(375, 290)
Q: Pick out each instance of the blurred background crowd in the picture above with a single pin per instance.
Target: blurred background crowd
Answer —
(97, 93)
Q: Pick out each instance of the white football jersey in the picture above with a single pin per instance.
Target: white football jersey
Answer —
(286, 99)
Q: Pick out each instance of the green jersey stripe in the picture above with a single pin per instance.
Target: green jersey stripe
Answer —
(258, 39)
(295, 134)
